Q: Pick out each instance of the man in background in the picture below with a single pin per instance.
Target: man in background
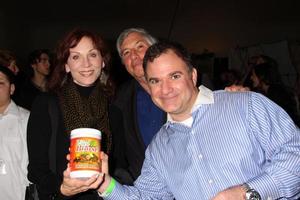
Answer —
(134, 118)
(13, 148)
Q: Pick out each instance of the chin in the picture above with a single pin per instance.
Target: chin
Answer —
(85, 83)
(169, 109)
(139, 72)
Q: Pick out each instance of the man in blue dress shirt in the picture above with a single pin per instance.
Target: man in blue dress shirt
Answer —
(215, 145)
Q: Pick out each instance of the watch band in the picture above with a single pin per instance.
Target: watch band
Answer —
(246, 187)
(251, 194)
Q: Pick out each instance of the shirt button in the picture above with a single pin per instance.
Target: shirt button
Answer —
(269, 198)
(200, 156)
(210, 181)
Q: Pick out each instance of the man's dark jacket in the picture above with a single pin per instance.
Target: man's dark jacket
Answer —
(128, 146)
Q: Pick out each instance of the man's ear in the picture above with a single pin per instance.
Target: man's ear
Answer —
(194, 76)
(12, 89)
(67, 68)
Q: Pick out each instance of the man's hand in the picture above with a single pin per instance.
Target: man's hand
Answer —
(237, 88)
(235, 192)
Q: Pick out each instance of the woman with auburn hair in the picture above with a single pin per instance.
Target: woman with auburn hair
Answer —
(78, 99)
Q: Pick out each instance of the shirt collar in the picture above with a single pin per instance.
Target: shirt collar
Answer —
(205, 96)
(11, 109)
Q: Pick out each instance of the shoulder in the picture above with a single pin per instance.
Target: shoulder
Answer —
(45, 97)
(242, 102)
(254, 103)
(129, 85)
(19, 112)
(42, 101)
(222, 97)
(23, 111)
(263, 110)
(125, 91)
(237, 96)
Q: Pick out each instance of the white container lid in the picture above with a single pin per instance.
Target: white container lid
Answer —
(83, 173)
(86, 132)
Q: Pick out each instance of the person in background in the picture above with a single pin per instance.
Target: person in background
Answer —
(228, 77)
(13, 148)
(215, 145)
(253, 61)
(266, 80)
(134, 118)
(39, 69)
(80, 99)
(9, 60)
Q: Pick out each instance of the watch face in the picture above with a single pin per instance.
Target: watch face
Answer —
(252, 195)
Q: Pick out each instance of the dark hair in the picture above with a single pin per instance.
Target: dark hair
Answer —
(267, 73)
(8, 73)
(72, 38)
(159, 48)
(35, 57)
(6, 57)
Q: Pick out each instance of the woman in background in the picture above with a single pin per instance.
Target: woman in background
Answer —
(266, 80)
(38, 69)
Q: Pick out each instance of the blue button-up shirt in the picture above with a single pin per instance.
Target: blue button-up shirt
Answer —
(231, 138)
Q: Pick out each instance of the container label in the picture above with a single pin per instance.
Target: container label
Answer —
(85, 154)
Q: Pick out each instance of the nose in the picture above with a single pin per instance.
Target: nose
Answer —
(166, 87)
(133, 54)
(86, 62)
(47, 63)
(16, 69)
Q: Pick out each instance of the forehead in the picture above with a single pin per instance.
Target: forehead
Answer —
(3, 76)
(84, 42)
(167, 62)
(44, 55)
(132, 39)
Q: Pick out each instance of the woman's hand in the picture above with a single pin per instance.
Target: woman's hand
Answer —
(106, 177)
(71, 186)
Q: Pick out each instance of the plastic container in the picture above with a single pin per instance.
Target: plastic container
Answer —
(85, 152)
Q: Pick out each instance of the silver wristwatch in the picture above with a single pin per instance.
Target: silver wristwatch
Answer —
(251, 194)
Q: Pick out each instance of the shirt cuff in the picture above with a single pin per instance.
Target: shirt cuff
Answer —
(117, 192)
(265, 186)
